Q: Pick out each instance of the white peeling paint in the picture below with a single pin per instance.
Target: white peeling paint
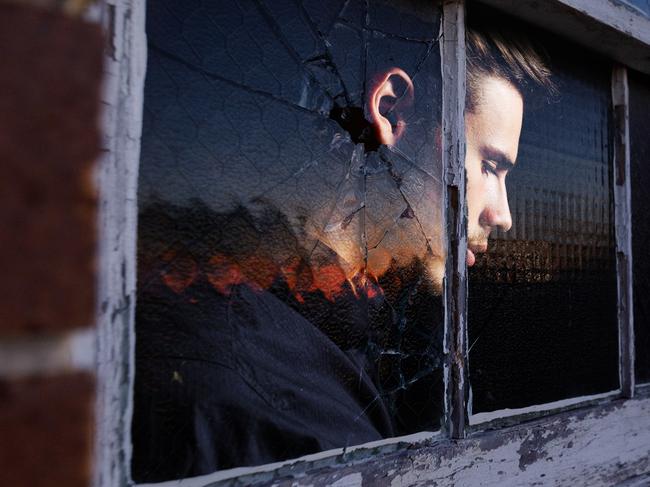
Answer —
(452, 57)
(599, 446)
(352, 480)
(122, 97)
(410, 440)
(623, 226)
(485, 417)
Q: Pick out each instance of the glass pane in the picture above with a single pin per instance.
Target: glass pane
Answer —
(542, 298)
(290, 231)
(640, 168)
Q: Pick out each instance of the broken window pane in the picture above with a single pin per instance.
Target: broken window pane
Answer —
(290, 252)
(542, 289)
(639, 86)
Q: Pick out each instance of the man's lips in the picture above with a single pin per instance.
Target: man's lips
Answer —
(471, 259)
(472, 250)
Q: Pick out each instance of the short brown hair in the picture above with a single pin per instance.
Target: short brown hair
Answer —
(505, 52)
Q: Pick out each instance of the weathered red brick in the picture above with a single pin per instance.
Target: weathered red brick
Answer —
(46, 431)
(49, 139)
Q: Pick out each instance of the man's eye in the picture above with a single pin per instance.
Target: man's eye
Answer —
(489, 167)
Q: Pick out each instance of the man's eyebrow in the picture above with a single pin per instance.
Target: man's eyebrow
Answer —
(495, 155)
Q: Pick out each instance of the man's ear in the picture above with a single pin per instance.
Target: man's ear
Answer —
(391, 92)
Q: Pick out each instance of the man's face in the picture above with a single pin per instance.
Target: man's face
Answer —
(492, 132)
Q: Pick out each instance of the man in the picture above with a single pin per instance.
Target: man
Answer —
(501, 70)
(248, 356)
(500, 73)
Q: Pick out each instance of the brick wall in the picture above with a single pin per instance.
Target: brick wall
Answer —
(49, 140)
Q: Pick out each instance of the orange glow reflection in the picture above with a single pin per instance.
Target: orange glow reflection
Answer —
(260, 273)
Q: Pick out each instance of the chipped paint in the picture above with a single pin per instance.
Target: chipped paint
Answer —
(532, 447)
(349, 455)
(594, 446)
(623, 226)
(122, 96)
(352, 480)
(487, 417)
(453, 159)
(578, 447)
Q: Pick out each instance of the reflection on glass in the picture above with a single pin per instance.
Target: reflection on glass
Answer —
(290, 234)
(542, 290)
(639, 86)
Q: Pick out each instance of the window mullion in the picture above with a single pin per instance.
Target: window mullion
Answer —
(453, 129)
(623, 227)
(124, 74)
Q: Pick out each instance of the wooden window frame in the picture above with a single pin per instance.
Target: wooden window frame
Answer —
(602, 439)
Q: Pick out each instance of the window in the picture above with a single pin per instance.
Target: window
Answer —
(290, 251)
(285, 108)
(542, 316)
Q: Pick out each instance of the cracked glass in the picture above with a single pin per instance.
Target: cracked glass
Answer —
(542, 288)
(639, 101)
(290, 235)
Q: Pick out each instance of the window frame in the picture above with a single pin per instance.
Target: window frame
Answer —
(609, 433)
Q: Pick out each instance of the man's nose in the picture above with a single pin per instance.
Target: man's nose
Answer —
(501, 210)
